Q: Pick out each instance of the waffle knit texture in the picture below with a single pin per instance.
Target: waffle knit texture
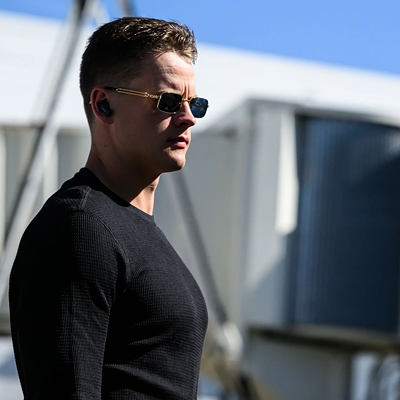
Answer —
(101, 305)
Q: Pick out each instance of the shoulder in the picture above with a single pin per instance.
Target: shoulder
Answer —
(73, 226)
(67, 230)
(74, 247)
(82, 203)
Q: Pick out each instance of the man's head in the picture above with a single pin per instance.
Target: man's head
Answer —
(139, 91)
(116, 52)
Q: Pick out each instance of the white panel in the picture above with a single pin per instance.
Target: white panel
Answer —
(288, 184)
(298, 372)
(265, 273)
(19, 146)
(73, 150)
(2, 188)
(49, 181)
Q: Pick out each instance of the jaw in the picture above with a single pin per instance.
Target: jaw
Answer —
(177, 158)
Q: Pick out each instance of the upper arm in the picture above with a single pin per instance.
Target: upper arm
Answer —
(62, 289)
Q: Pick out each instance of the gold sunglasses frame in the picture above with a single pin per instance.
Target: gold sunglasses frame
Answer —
(152, 96)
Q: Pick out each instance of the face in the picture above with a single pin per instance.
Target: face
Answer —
(145, 139)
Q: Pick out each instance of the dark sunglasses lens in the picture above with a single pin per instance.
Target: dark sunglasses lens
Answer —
(198, 106)
(170, 102)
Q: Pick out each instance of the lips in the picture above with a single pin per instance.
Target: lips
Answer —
(179, 141)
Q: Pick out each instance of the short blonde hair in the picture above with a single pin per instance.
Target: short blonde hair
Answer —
(115, 51)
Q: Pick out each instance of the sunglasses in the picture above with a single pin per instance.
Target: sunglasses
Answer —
(170, 103)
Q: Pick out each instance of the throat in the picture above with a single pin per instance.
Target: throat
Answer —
(145, 199)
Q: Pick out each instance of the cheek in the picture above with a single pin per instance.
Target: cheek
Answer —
(147, 127)
(161, 127)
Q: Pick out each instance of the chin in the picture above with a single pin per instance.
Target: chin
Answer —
(174, 161)
(179, 166)
(178, 163)
(173, 165)
(182, 163)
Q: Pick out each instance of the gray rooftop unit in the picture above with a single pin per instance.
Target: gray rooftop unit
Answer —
(347, 244)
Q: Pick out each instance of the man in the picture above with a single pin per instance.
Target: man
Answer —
(101, 306)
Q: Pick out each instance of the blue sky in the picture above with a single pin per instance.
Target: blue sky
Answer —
(356, 33)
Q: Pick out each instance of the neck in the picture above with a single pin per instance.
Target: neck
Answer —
(134, 187)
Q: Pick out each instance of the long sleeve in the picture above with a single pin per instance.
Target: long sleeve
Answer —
(62, 288)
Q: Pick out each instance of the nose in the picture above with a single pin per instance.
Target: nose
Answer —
(184, 115)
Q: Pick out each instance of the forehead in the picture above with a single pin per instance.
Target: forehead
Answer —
(166, 70)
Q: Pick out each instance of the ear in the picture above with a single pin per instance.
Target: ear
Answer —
(100, 100)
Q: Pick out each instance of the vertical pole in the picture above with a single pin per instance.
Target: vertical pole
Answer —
(47, 134)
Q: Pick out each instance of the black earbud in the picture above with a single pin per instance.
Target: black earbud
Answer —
(104, 108)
